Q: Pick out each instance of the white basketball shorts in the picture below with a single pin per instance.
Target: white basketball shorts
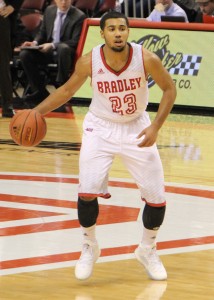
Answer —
(102, 140)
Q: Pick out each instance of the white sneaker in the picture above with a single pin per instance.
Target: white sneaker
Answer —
(85, 264)
(148, 257)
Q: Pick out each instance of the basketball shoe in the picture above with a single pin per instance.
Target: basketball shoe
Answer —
(149, 258)
(90, 254)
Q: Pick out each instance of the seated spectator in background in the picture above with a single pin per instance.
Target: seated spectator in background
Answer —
(206, 9)
(58, 37)
(23, 33)
(166, 8)
(8, 19)
(190, 7)
(146, 8)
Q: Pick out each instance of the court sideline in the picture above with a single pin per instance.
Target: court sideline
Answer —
(40, 236)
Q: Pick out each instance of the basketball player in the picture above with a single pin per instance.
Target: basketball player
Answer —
(117, 124)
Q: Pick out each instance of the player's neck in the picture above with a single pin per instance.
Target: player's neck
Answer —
(116, 60)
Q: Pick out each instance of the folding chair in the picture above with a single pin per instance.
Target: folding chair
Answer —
(107, 5)
(31, 23)
(31, 6)
(88, 6)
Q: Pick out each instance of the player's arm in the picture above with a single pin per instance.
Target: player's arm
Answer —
(162, 78)
(64, 93)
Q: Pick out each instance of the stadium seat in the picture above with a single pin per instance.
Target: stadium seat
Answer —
(31, 6)
(87, 6)
(107, 5)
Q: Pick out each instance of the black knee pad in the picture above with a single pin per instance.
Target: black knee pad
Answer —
(153, 216)
(87, 212)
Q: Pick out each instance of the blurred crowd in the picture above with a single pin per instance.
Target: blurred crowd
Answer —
(34, 24)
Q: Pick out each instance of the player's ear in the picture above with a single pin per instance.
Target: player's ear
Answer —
(102, 34)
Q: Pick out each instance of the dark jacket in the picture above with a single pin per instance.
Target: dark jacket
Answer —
(71, 28)
(199, 17)
(16, 4)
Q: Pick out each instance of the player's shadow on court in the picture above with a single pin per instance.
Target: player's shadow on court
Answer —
(153, 291)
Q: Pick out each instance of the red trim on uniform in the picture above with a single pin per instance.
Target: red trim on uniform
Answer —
(154, 204)
(106, 196)
(126, 65)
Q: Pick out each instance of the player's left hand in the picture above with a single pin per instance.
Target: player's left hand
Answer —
(150, 136)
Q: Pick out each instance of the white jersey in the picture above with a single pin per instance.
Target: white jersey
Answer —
(119, 96)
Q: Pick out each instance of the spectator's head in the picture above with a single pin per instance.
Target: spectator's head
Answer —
(63, 5)
(206, 7)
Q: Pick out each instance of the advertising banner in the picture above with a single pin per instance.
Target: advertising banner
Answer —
(186, 54)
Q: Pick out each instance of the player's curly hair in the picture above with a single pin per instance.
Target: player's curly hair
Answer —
(112, 15)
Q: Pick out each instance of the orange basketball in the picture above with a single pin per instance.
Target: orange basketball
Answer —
(28, 127)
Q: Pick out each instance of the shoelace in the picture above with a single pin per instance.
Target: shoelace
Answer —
(87, 253)
(153, 258)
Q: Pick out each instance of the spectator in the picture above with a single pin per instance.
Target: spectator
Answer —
(8, 17)
(190, 7)
(206, 9)
(166, 8)
(146, 8)
(23, 32)
(58, 38)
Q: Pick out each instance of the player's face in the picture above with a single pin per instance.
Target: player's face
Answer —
(115, 34)
(63, 5)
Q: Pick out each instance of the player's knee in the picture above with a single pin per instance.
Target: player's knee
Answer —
(153, 216)
(87, 211)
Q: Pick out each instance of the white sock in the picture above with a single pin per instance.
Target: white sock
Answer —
(89, 233)
(149, 237)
